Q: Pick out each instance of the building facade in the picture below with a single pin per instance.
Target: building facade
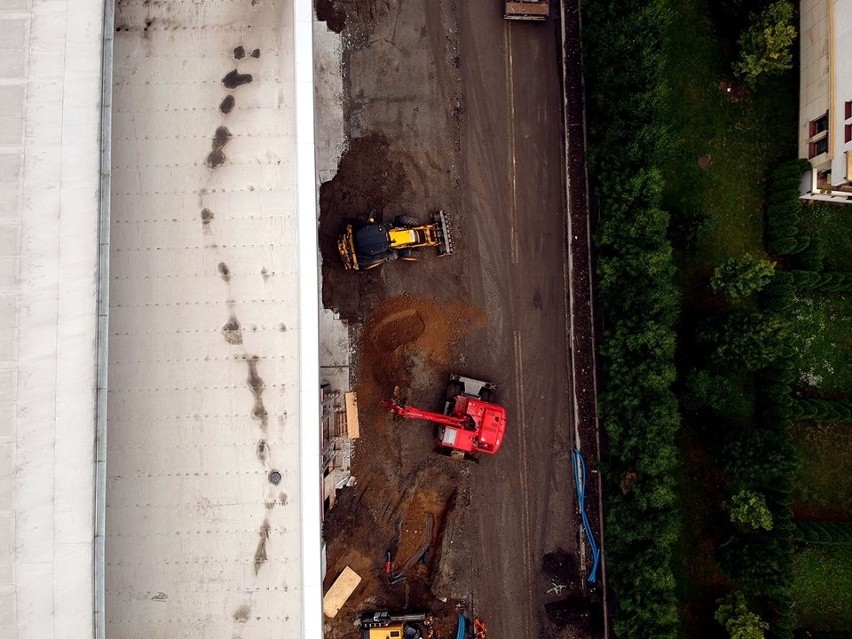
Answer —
(825, 103)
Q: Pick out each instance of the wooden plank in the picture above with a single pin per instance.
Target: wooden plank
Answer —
(352, 427)
(340, 591)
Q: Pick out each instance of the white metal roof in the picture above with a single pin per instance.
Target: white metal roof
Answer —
(50, 88)
(213, 377)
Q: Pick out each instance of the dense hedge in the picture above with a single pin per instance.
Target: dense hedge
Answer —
(825, 532)
(825, 282)
(640, 306)
(822, 410)
(782, 214)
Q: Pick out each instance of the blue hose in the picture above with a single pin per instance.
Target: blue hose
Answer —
(460, 633)
(580, 483)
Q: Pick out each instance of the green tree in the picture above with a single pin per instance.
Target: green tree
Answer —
(748, 507)
(765, 47)
(720, 394)
(733, 613)
(742, 276)
(749, 339)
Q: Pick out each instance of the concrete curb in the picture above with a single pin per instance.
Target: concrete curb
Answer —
(586, 297)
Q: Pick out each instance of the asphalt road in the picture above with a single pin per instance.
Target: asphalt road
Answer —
(515, 268)
(467, 107)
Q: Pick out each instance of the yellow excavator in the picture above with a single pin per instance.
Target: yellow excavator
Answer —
(369, 245)
(387, 625)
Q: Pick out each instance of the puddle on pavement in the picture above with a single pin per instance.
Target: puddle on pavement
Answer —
(227, 105)
(257, 386)
(234, 79)
(241, 614)
(233, 331)
(260, 556)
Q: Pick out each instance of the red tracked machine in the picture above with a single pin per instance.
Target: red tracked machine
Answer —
(471, 422)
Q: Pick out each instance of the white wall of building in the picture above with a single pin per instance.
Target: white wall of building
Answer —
(50, 89)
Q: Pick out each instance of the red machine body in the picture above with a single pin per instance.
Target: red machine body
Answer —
(469, 425)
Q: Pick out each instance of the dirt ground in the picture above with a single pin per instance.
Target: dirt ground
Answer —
(449, 107)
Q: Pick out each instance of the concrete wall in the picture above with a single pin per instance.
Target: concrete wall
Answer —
(815, 87)
(842, 20)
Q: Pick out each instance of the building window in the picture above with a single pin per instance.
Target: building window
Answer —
(848, 133)
(819, 125)
(817, 148)
(848, 112)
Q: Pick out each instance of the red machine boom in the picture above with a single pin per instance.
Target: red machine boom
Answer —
(469, 425)
(409, 412)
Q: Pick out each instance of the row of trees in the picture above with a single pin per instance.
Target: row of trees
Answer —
(640, 305)
(741, 396)
(756, 348)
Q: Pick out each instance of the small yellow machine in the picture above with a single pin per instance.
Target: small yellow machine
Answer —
(393, 631)
(388, 625)
(374, 243)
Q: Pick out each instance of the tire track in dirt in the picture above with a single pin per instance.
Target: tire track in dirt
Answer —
(523, 470)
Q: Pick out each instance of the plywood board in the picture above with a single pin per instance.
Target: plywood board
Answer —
(340, 591)
(352, 428)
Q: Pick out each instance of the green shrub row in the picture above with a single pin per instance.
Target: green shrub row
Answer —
(782, 215)
(640, 305)
(780, 292)
(813, 257)
(758, 456)
(822, 410)
(762, 458)
(825, 282)
(825, 532)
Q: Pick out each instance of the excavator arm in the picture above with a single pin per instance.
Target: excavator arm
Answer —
(409, 412)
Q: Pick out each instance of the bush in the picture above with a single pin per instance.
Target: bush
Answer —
(789, 245)
(743, 339)
(689, 228)
(718, 394)
(813, 257)
(738, 621)
(779, 294)
(741, 276)
(748, 508)
(790, 172)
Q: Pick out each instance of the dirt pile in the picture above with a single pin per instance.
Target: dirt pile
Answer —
(411, 342)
